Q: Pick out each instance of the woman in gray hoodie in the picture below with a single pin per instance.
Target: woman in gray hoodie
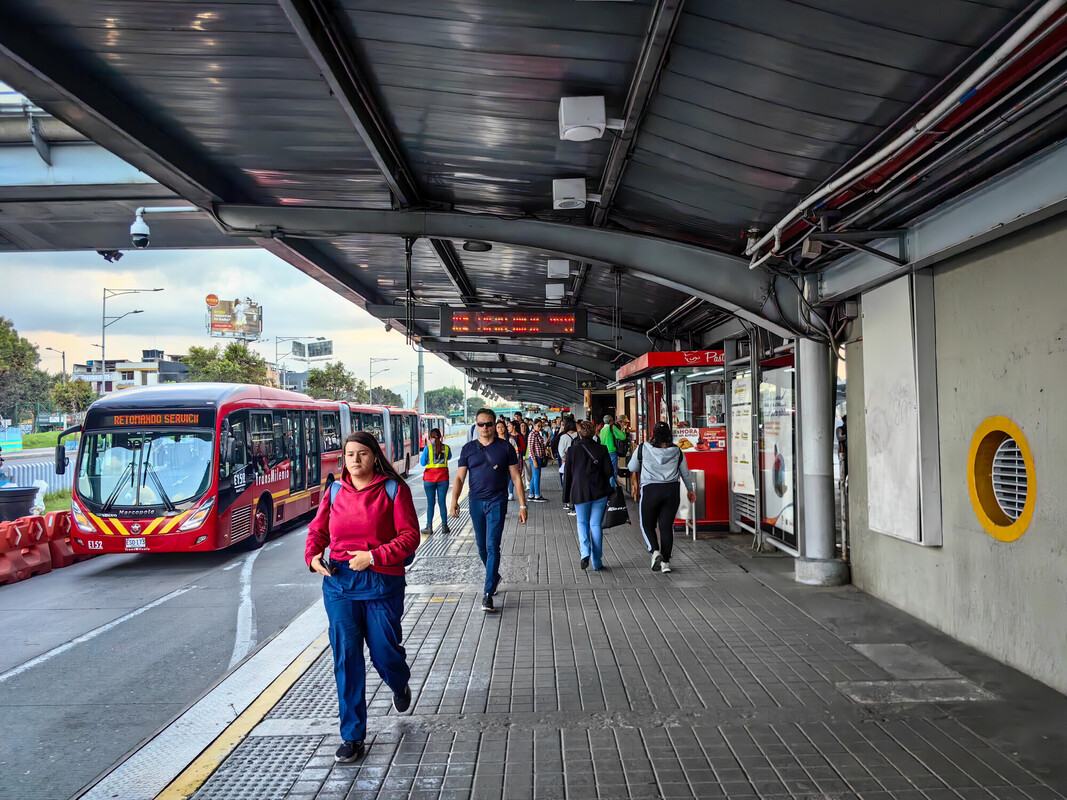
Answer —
(660, 464)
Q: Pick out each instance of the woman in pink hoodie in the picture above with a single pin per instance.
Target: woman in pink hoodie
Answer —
(371, 528)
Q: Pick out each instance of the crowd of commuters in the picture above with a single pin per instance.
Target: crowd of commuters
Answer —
(369, 526)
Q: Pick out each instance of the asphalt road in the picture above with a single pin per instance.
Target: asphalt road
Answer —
(97, 657)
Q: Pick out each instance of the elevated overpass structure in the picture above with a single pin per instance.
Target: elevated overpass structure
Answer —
(776, 178)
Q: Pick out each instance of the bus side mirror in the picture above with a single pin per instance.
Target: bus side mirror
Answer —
(61, 459)
(229, 449)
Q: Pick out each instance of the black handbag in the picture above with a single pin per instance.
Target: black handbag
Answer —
(617, 512)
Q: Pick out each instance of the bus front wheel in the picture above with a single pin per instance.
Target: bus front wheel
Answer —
(261, 526)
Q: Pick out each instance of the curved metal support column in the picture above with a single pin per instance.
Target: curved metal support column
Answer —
(721, 279)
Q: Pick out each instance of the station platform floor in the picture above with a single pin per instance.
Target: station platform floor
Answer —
(723, 679)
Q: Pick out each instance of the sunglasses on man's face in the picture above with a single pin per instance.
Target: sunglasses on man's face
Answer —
(485, 424)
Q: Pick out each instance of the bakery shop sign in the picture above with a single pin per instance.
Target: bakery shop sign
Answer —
(700, 440)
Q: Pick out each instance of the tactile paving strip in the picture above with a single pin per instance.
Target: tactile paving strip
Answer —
(315, 696)
(263, 768)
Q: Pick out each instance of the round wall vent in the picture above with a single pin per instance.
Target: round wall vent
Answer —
(1001, 479)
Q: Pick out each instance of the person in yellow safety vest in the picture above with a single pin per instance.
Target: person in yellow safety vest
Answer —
(434, 458)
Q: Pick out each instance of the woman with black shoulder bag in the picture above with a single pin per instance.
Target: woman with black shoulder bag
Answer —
(658, 465)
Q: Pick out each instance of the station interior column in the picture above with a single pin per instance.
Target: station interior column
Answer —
(817, 564)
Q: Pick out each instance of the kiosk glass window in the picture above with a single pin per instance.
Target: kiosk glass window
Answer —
(698, 398)
(777, 449)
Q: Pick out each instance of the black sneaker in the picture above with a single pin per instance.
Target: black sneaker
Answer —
(585, 561)
(427, 531)
(538, 499)
(402, 701)
(349, 751)
(487, 603)
(444, 528)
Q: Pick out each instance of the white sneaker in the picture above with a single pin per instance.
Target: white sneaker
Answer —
(665, 566)
(655, 560)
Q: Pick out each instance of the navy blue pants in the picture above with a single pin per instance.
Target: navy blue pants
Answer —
(356, 619)
(487, 516)
(435, 492)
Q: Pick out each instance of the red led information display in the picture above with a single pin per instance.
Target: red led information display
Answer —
(515, 322)
(151, 419)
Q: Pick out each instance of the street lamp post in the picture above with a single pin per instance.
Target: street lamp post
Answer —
(370, 376)
(104, 325)
(277, 360)
(64, 354)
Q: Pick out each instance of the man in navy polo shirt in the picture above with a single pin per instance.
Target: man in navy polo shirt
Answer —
(492, 463)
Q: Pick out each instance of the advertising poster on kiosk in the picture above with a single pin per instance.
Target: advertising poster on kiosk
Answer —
(741, 479)
(776, 452)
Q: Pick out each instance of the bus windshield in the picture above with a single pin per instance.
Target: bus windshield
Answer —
(144, 469)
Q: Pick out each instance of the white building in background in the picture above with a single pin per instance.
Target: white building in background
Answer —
(155, 367)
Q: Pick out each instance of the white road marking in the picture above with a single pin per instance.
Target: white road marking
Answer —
(85, 637)
(246, 614)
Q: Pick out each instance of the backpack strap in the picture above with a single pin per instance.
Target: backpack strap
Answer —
(391, 488)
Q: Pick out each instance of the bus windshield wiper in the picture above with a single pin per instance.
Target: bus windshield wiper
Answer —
(155, 479)
(118, 486)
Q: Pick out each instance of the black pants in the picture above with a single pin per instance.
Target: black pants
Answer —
(659, 504)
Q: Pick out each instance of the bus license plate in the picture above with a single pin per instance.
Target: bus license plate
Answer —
(135, 544)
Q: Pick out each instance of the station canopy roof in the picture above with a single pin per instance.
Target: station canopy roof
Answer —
(332, 131)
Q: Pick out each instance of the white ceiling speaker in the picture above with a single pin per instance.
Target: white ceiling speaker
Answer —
(582, 119)
(559, 268)
(569, 194)
(555, 291)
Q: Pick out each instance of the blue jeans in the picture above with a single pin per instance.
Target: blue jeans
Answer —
(614, 467)
(438, 491)
(487, 517)
(353, 623)
(590, 534)
(535, 479)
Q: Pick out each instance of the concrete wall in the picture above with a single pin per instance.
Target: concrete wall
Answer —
(1001, 328)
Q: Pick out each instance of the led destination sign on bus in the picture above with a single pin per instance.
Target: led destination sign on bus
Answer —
(151, 419)
(532, 322)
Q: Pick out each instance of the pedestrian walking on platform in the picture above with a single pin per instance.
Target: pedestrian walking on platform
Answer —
(658, 466)
(613, 438)
(566, 439)
(371, 528)
(588, 482)
(538, 450)
(493, 466)
(434, 458)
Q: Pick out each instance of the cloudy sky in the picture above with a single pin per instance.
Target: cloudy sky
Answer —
(54, 300)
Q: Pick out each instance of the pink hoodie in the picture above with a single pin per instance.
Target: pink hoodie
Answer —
(366, 520)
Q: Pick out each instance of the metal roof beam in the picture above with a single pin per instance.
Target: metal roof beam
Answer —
(323, 34)
(653, 56)
(80, 94)
(536, 369)
(591, 365)
(723, 280)
(555, 383)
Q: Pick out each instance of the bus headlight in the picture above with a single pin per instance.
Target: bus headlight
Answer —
(196, 519)
(80, 519)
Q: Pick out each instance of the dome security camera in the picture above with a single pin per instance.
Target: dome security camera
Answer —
(139, 233)
(388, 326)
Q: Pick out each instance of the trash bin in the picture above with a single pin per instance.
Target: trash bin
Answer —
(15, 502)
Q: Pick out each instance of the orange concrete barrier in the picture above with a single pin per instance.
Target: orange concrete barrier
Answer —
(28, 535)
(57, 526)
(12, 564)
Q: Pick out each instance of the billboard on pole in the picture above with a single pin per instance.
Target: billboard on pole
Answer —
(237, 318)
(320, 349)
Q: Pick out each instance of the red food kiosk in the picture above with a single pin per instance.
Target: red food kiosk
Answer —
(686, 389)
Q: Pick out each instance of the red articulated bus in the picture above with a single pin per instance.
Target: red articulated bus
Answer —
(198, 466)
(397, 429)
